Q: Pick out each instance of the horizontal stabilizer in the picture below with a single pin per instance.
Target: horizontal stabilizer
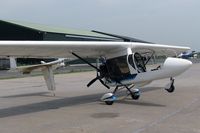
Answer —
(30, 68)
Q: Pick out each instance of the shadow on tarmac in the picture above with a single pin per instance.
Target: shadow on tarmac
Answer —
(27, 95)
(64, 102)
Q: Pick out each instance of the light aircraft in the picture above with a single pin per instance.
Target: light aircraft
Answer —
(122, 64)
(188, 55)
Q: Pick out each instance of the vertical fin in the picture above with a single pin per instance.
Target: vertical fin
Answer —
(49, 78)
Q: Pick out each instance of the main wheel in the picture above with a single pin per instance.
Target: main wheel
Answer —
(136, 95)
(109, 102)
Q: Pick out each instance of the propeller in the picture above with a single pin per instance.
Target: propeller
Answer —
(99, 77)
(100, 72)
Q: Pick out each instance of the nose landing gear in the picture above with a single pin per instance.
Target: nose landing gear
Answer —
(170, 87)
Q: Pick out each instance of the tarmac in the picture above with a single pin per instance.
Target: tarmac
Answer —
(26, 106)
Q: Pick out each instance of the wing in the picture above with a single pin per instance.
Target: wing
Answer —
(159, 49)
(84, 48)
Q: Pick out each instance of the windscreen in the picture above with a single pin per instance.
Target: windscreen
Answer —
(118, 67)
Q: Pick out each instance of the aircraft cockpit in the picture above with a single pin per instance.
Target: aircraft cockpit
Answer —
(123, 66)
(118, 67)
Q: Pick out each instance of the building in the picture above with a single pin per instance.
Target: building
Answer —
(13, 30)
(18, 31)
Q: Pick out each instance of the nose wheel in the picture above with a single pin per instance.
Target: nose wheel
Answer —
(170, 87)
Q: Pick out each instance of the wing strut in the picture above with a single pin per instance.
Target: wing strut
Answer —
(124, 38)
(149, 58)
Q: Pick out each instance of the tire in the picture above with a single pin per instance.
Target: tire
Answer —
(135, 96)
(109, 102)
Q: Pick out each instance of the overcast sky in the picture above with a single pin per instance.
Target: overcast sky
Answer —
(174, 22)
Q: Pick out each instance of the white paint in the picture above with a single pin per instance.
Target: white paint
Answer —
(49, 78)
(13, 64)
(84, 48)
(172, 67)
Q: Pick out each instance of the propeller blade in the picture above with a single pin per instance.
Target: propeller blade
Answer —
(104, 84)
(86, 61)
(92, 81)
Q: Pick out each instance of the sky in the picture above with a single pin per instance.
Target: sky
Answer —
(171, 22)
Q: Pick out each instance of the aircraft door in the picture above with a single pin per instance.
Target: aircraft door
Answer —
(131, 64)
(139, 63)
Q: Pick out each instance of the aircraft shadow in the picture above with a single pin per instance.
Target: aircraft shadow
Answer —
(59, 103)
(140, 103)
(147, 89)
(27, 95)
(49, 105)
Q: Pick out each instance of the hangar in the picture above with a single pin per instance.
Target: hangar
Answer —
(15, 30)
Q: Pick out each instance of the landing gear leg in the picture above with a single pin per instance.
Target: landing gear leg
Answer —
(170, 87)
(109, 98)
(135, 94)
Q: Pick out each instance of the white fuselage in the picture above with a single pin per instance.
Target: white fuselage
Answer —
(172, 67)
